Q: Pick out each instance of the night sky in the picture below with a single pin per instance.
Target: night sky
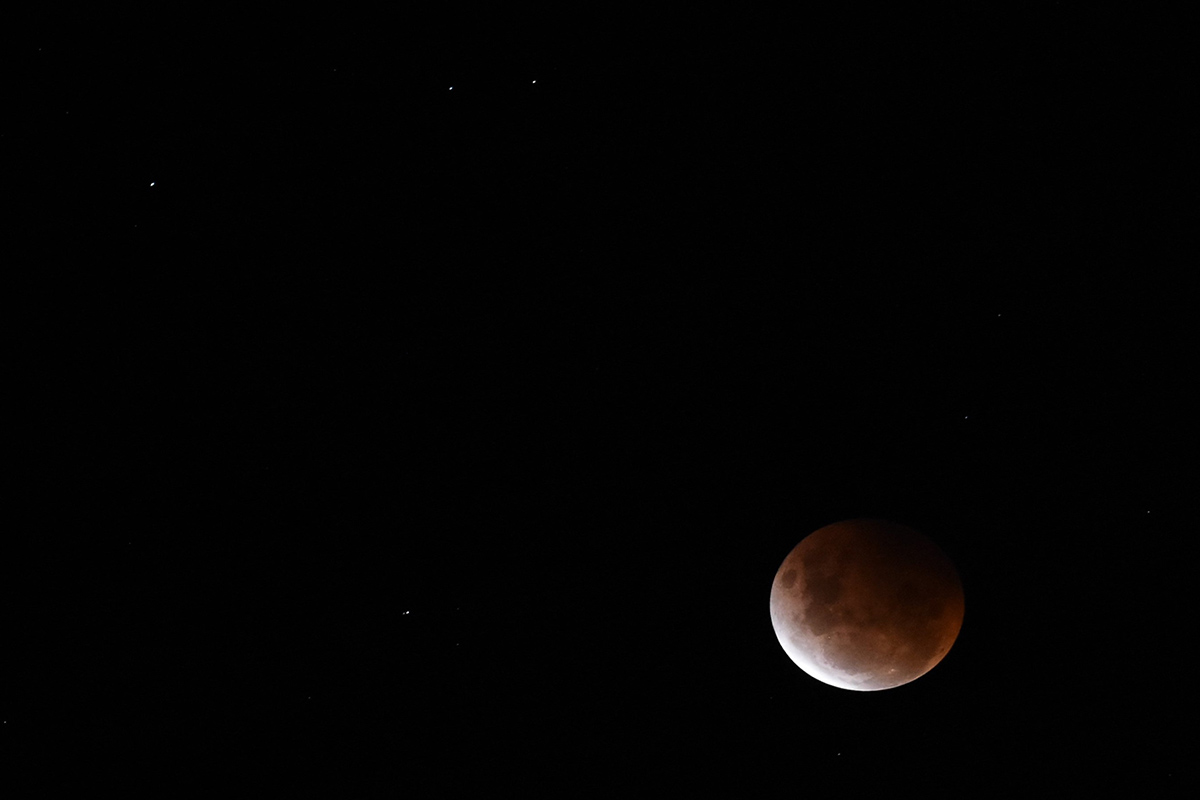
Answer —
(412, 408)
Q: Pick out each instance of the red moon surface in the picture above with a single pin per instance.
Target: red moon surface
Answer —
(866, 604)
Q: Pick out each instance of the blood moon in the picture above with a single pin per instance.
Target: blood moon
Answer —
(866, 604)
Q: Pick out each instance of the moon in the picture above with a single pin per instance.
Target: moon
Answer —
(866, 604)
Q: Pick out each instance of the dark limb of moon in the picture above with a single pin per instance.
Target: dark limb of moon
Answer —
(866, 605)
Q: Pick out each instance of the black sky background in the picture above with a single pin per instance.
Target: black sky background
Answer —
(406, 441)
